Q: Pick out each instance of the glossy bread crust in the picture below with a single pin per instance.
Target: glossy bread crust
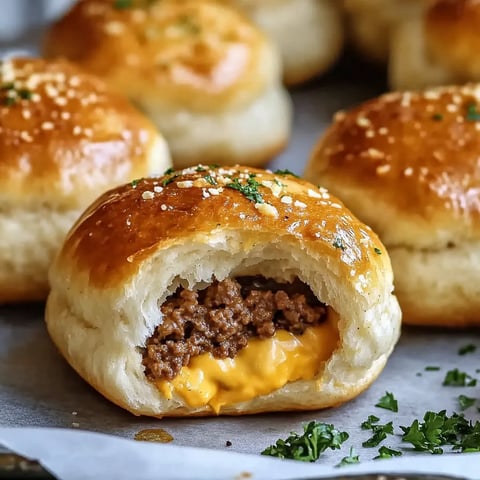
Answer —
(413, 156)
(196, 54)
(407, 165)
(206, 76)
(136, 244)
(64, 139)
(189, 206)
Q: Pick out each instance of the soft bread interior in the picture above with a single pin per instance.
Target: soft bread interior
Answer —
(250, 134)
(121, 319)
(29, 240)
(438, 286)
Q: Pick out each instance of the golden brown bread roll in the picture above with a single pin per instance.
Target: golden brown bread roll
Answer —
(309, 33)
(208, 77)
(64, 139)
(438, 48)
(372, 23)
(223, 291)
(407, 164)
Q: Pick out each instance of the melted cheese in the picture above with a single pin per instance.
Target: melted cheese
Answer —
(262, 367)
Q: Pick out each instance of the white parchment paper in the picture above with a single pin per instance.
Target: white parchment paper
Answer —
(73, 455)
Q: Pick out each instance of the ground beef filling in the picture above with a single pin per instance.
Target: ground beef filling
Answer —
(221, 318)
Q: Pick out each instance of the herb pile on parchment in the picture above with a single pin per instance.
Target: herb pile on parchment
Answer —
(435, 432)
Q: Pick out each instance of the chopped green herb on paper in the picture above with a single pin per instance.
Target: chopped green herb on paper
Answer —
(432, 368)
(308, 447)
(456, 378)
(385, 452)
(470, 348)
(439, 430)
(388, 402)
(380, 433)
(351, 459)
(368, 424)
(466, 402)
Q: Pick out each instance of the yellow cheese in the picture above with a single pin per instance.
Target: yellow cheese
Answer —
(260, 368)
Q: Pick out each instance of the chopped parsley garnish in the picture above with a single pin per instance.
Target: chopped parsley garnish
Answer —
(473, 115)
(24, 94)
(210, 179)
(438, 430)
(169, 180)
(432, 368)
(388, 402)
(308, 447)
(351, 459)
(169, 171)
(200, 169)
(123, 4)
(368, 423)
(385, 452)
(338, 243)
(214, 166)
(438, 117)
(285, 172)
(456, 378)
(377, 251)
(135, 182)
(249, 190)
(465, 402)
(14, 94)
(380, 433)
(277, 182)
(470, 348)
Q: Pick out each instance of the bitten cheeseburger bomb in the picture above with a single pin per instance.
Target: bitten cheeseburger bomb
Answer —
(205, 74)
(407, 164)
(64, 139)
(223, 291)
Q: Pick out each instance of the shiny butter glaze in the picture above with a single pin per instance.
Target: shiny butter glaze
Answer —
(179, 52)
(128, 224)
(63, 136)
(417, 153)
